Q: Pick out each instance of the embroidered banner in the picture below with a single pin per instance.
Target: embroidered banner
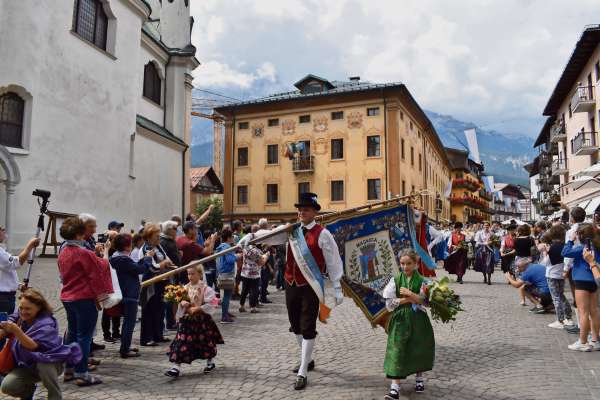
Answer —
(369, 243)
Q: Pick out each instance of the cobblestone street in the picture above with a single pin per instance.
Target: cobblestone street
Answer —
(496, 350)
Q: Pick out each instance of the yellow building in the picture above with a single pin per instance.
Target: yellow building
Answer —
(469, 200)
(359, 143)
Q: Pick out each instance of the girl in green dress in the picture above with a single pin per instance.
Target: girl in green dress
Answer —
(410, 346)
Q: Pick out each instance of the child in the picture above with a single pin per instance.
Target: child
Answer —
(197, 334)
(410, 346)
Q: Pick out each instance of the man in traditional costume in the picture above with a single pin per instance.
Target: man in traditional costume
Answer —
(312, 253)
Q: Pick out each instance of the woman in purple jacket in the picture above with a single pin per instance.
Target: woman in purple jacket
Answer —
(37, 348)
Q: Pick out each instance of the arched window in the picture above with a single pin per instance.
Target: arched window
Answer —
(90, 22)
(12, 108)
(151, 83)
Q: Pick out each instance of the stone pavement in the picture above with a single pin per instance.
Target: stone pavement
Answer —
(495, 350)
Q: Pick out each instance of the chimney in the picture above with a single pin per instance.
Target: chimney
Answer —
(354, 78)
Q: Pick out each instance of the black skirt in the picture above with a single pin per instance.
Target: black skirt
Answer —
(197, 338)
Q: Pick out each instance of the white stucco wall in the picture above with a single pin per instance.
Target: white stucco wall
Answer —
(83, 114)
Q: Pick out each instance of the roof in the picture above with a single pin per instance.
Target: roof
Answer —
(310, 77)
(533, 168)
(338, 88)
(159, 130)
(544, 134)
(151, 30)
(197, 174)
(510, 190)
(459, 159)
(587, 43)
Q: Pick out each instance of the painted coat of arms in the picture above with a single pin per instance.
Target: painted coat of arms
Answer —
(370, 260)
(355, 120)
(320, 124)
(288, 127)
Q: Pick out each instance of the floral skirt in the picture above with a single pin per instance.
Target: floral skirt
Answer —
(197, 338)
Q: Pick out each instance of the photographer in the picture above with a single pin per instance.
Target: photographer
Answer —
(9, 281)
(533, 278)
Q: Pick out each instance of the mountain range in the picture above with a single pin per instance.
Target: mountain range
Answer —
(502, 155)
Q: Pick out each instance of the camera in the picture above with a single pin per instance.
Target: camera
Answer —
(102, 238)
(44, 194)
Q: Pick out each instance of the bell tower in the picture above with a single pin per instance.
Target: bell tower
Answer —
(175, 23)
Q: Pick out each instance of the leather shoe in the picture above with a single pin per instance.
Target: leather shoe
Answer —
(311, 366)
(300, 383)
(130, 354)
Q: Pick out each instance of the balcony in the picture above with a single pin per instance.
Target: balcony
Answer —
(545, 159)
(543, 185)
(584, 144)
(558, 133)
(466, 183)
(303, 164)
(583, 99)
(559, 166)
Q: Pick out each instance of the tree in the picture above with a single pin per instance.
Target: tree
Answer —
(215, 218)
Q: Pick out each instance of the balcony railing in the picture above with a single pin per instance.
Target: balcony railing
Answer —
(584, 143)
(304, 164)
(558, 132)
(543, 185)
(545, 159)
(583, 99)
(559, 166)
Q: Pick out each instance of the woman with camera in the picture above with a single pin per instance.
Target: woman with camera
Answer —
(37, 348)
(85, 279)
(586, 289)
(151, 299)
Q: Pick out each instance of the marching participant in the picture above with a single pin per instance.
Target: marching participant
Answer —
(312, 253)
(310, 256)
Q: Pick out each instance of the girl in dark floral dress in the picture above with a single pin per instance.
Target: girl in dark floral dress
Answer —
(197, 334)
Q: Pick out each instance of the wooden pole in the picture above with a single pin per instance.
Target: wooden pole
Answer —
(261, 238)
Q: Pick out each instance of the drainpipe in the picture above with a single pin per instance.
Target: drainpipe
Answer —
(385, 135)
(233, 163)
(183, 183)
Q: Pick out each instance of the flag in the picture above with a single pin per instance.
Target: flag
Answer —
(290, 149)
(488, 181)
(448, 190)
(471, 136)
(299, 147)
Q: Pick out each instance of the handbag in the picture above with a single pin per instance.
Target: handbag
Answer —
(225, 282)
(114, 298)
(7, 360)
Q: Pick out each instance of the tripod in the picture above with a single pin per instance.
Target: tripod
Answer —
(43, 200)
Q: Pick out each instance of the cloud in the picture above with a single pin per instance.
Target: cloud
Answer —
(479, 60)
(216, 74)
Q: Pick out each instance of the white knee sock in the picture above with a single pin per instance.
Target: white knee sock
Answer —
(395, 386)
(307, 348)
(299, 340)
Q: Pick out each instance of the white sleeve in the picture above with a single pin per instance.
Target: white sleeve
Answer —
(436, 237)
(8, 262)
(209, 296)
(135, 255)
(389, 294)
(331, 253)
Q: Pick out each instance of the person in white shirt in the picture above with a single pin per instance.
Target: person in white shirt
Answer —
(9, 281)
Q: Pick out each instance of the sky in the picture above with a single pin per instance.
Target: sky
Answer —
(494, 63)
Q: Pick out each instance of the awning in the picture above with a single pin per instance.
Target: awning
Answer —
(592, 206)
(593, 171)
(586, 182)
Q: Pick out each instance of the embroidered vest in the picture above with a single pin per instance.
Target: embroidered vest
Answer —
(292, 272)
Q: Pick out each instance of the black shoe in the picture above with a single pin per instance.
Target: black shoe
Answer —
(109, 339)
(392, 395)
(173, 373)
(266, 301)
(163, 340)
(96, 346)
(419, 387)
(311, 366)
(300, 383)
(149, 344)
(130, 354)
(116, 336)
(489, 282)
(210, 368)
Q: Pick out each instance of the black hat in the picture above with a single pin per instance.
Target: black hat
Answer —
(308, 199)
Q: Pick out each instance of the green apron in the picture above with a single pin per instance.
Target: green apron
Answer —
(410, 346)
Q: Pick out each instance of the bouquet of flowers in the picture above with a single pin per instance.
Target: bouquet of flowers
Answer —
(175, 294)
(495, 241)
(443, 302)
(462, 245)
